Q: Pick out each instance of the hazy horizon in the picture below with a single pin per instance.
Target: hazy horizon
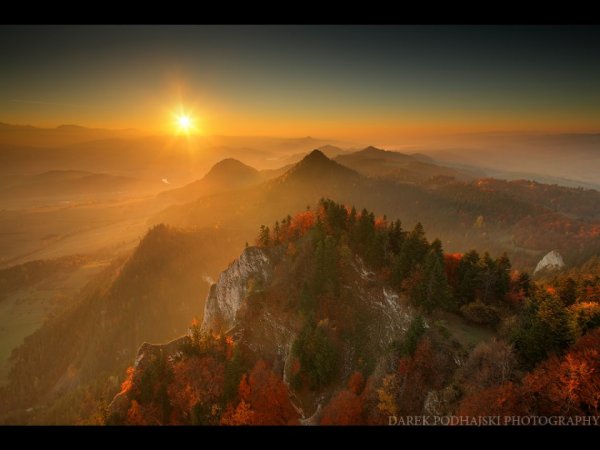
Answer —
(343, 82)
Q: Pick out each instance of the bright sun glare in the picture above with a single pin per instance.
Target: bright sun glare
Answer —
(185, 123)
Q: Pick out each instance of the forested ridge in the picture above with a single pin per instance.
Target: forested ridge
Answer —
(536, 330)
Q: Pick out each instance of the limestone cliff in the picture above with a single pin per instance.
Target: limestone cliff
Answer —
(256, 301)
(253, 268)
(552, 261)
(269, 331)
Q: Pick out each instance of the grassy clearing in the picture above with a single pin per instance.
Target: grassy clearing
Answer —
(466, 333)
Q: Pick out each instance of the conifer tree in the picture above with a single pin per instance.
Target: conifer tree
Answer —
(434, 292)
(413, 252)
(468, 278)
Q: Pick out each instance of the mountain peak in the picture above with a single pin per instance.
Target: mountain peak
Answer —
(316, 155)
(225, 175)
(315, 166)
(231, 169)
(316, 160)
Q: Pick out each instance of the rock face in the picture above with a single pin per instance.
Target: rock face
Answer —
(117, 409)
(269, 331)
(147, 351)
(552, 261)
(256, 302)
(253, 268)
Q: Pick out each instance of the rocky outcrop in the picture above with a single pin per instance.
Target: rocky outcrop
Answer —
(269, 331)
(148, 352)
(117, 409)
(249, 272)
(552, 261)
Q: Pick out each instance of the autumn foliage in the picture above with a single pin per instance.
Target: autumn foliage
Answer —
(418, 374)
(559, 386)
(263, 400)
(427, 369)
(347, 407)
(197, 383)
(128, 382)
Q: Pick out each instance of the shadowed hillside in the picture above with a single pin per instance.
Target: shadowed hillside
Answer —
(150, 296)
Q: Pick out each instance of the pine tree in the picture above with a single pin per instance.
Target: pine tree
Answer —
(366, 230)
(488, 278)
(264, 237)
(325, 274)
(468, 275)
(434, 292)
(545, 328)
(502, 286)
(413, 252)
(395, 237)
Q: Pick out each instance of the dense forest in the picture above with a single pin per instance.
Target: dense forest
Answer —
(532, 335)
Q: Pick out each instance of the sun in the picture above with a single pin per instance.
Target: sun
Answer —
(185, 123)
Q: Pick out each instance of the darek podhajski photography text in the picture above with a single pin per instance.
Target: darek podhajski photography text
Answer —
(479, 421)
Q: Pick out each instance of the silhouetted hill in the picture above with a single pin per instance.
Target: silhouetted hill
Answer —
(525, 221)
(151, 296)
(303, 184)
(226, 175)
(231, 171)
(317, 166)
(331, 151)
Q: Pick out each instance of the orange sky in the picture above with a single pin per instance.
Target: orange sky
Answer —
(384, 84)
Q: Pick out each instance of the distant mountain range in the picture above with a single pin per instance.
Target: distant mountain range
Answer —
(562, 158)
(28, 150)
(521, 217)
(566, 159)
(414, 167)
